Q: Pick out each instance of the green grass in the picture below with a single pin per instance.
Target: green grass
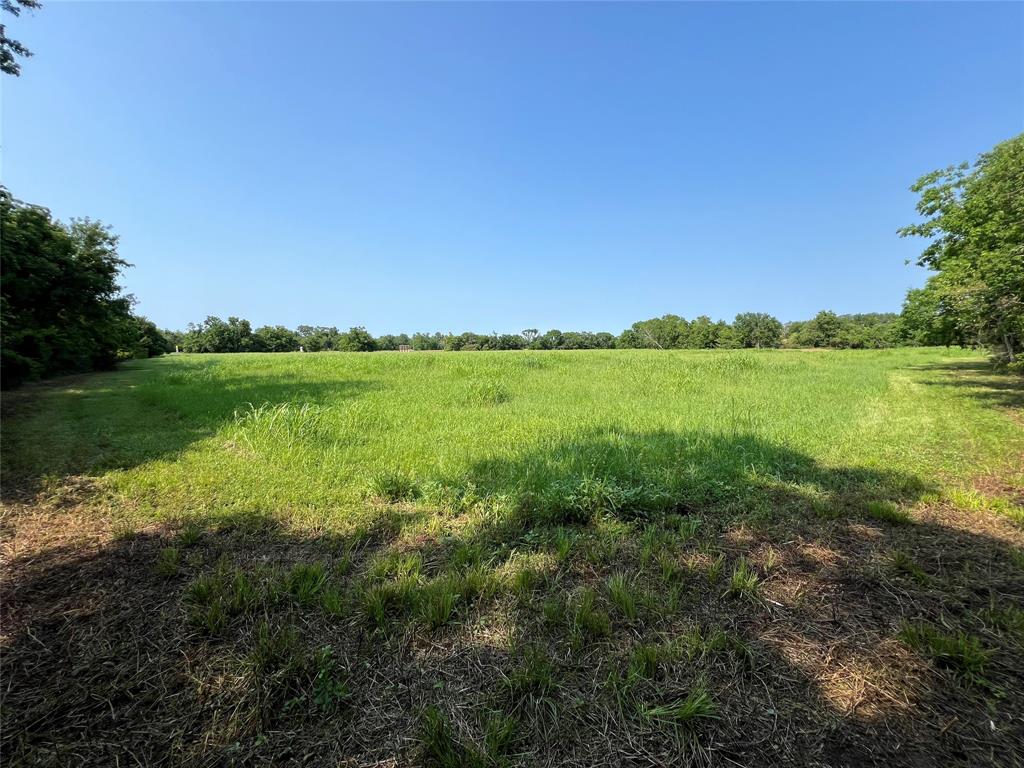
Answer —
(697, 705)
(565, 436)
(958, 651)
(502, 559)
(744, 581)
(887, 512)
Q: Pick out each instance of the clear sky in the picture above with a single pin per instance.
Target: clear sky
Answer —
(503, 166)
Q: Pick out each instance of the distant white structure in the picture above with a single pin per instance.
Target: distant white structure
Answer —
(301, 348)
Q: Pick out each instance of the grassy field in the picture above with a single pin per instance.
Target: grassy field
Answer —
(517, 558)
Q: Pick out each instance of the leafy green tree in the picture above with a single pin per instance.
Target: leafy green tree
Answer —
(823, 330)
(426, 341)
(974, 219)
(215, 335)
(11, 49)
(703, 334)
(757, 329)
(61, 308)
(274, 338)
(550, 340)
(928, 318)
(665, 332)
(318, 338)
(357, 339)
(144, 339)
(391, 342)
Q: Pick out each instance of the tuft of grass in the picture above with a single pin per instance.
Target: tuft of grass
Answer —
(564, 540)
(305, 581)
(393, 486)
(888, 512)
(276, 649)
(397, 565)
(620, 591)
(645, 660)
(190, 534)
(534, 677)
(332, 601)
(744, 581)
(478, 582)
(168, 562)
(901, 562)
(697, 644)
(441, 747)
(959, 652)
(554, 611)
(383, 600)
(669, 568)
(588, 621)
(436, 601)
(525, 582)
(214, 599)
(713, 570)
(688, 527)
(697, 706)
(1005, 618)
(488, 393)
(269, 427)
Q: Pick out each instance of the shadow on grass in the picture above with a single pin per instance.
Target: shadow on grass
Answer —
(104, 662)
(984, 383)
(82, 425)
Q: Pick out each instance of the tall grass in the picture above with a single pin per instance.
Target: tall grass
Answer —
(568, 437)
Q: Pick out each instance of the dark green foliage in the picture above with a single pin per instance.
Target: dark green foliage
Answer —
(61, 308)
(974, 222)
(749, 330)
(874, 330)
(757, 329)
(215, 335)
(11, 49)
(356, 340)
(274, 338)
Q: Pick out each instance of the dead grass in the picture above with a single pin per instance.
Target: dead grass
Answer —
(839, 659)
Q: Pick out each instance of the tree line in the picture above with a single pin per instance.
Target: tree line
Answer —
(62, 309)
(748, 330)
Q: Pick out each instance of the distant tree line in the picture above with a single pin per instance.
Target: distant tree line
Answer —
(63, 311)
(61, 308)
(748, 330)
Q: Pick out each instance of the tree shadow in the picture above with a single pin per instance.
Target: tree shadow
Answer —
(984, 383)
(103, 660)
(137, 414)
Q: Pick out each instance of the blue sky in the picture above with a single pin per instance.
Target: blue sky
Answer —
(503, 166)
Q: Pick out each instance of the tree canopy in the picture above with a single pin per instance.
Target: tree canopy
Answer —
(61, 308)
(974, 220)
(11, 50)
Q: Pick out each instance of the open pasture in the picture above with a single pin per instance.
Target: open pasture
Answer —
(517, 558)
